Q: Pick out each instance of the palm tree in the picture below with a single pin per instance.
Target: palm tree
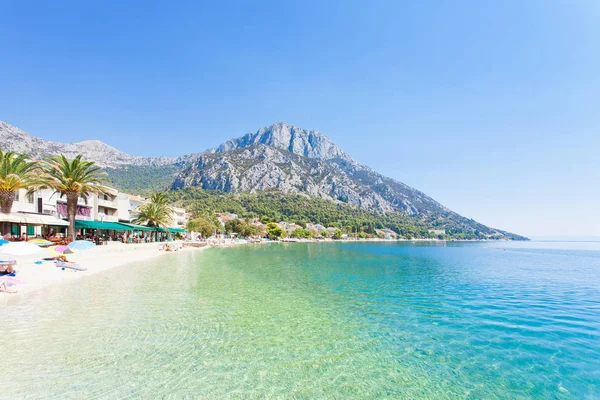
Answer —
(157, 213)
(16, 172)
(73, 179)
(160, 198)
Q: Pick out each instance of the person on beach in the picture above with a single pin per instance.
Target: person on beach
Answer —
(63, 258)
(7, 267)
(5, 289)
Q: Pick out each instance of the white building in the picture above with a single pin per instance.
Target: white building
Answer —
(179, 217)
(106, 206)
(387, 233)
(32, 214)
(129, 206)
(44, 212)
(289, 227)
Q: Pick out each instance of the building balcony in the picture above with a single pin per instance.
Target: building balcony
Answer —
(107, 203)
(24, 207)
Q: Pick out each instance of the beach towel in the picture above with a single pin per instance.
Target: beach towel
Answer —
(11, 281)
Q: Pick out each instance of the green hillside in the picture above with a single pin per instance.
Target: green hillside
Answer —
(277, 206)
(141, 180)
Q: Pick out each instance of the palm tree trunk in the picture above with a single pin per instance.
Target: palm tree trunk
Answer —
(72, 199)
(6, 201)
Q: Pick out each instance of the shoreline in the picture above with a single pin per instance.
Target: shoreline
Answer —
(116, 254)
(96, 260)
(292, 240)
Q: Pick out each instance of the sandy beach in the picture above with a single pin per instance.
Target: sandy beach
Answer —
(96, 260)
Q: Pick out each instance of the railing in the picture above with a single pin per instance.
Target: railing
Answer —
(109, 218)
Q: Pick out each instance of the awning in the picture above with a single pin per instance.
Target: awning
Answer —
(126, 227)
(13, 218)
(41, 219)
(111, 226)
(137, 227)
(32, 219)
(172, 230)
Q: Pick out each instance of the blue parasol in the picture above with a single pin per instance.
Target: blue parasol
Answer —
(81, 245)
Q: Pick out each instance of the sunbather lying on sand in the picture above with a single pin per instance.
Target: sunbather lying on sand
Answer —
(7, 267)
(4, 288)
(63, 260)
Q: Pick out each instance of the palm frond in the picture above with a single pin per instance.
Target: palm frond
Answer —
(157, 213)
(74, 176)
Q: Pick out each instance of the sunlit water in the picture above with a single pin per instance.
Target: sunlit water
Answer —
(349, 320)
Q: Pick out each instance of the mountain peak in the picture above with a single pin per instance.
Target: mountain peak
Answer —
(282, 135)
(92, 142)
(14, 139)
(97, 145)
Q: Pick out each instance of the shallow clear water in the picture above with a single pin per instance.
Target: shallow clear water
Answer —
(345, 320)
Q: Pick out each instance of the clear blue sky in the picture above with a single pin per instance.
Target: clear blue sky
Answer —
(492, 108)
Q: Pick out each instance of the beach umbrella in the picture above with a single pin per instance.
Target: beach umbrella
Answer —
(40, 242)
(19, 248)
(3, 241)
(81, 245)
(60, 250)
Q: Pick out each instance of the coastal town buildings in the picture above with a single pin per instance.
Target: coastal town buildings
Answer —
(316, 227)
(179, 217)
(44, 212)
(129, 205)
(388, 234)
(289, 227)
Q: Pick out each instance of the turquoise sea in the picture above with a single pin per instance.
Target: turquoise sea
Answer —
(318, 320)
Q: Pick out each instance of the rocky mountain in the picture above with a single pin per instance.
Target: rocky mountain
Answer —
(302, 142)
(14, 139)
(258, 167)
(295, 160)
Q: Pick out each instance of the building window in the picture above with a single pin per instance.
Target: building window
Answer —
(16, 195)
(30, 198)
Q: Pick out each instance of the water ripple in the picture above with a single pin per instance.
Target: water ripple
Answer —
(316, 321)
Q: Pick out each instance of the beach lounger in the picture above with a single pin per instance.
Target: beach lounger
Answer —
(69, 265)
